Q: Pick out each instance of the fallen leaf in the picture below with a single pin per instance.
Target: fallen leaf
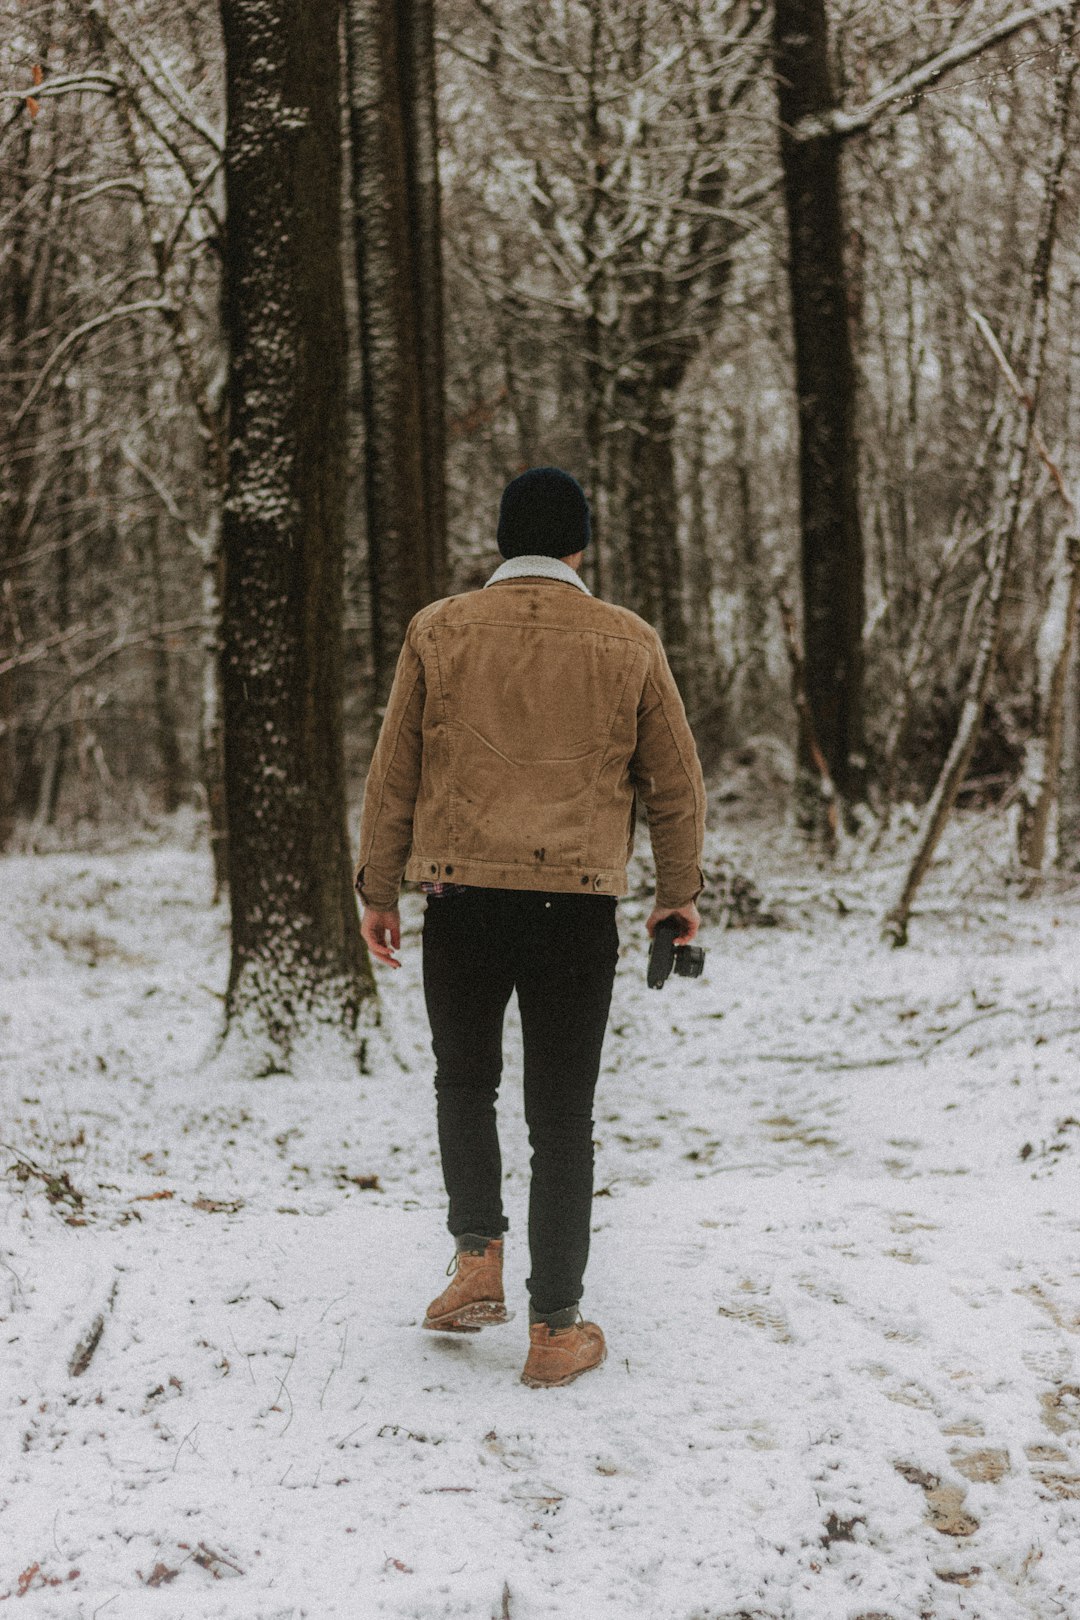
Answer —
(161, 1575)
(217, 1563)
(26, 1579)
(150, 1198)
(365, 1183)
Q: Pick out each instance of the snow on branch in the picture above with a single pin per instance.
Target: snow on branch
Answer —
(66, 344)
(843, 122)
(65, 84)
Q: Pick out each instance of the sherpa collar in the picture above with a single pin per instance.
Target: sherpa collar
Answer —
(529, 567)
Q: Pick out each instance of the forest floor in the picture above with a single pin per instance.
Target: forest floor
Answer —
(835, 1255)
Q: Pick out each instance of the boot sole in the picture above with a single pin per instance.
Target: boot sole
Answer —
(470, 1318)
(568, 1378)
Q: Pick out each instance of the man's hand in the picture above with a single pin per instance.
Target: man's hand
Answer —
(689, 915)
(381, 933)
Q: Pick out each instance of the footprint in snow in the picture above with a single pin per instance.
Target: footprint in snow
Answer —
(945, 1511)
(1050, 1469)
(754, 1309)
(1061, 1408)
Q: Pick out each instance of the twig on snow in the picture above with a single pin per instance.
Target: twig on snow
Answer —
(282, 1387)
(183, 1443)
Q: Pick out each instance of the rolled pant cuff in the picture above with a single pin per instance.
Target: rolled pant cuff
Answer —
(563, 1318)
(474, 1242)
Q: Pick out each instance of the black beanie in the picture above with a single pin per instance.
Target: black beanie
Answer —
(543, 513)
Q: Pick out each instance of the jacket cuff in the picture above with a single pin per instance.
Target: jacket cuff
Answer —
(672, 894)
(379, 896)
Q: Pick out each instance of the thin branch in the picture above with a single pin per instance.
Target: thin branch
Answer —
(843, 123)
(199, 541)
(121, 643)
(65, 84)
(1028, 403)
(40, 648)
(119, 313)
(172, 93)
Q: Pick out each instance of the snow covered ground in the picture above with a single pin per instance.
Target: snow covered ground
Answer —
(836, 1257)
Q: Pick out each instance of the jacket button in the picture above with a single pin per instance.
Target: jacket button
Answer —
(585, 882)
(449, 870)
(434, 868)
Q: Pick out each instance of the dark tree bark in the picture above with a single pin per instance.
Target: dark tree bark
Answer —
(26, 289)
(1040, 782)
(165, 723)
(651, 532)
(832, 541)
(395, 192)
(422, 170)
(296, 951)
(211, 750)
(755, 592)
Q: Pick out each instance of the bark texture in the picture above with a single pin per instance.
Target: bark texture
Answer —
(1037, 830)
(825, 382)
(395, 191)
(296, 953)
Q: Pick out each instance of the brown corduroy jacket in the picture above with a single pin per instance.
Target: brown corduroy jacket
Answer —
(524, 721)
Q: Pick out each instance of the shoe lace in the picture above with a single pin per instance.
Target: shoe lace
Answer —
(474, 1254)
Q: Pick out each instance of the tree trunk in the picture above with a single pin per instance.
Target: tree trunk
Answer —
(167, 738)
(752, 582)
(832, 541)
(714, 672)
(652, 542)
(395, 193)
(296, 953)
(211, 721)
(1042, 756)
(420, 115)
(20, 313)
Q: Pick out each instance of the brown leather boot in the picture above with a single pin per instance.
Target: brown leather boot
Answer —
(475, 1297)
(559, 1355)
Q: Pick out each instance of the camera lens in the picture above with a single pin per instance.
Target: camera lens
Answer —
(689, 961)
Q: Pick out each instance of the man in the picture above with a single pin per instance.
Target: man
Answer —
(523, 721)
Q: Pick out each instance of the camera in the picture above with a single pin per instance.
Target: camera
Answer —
(665, 956)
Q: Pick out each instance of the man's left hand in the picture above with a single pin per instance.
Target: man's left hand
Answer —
(381, 933)
(688, 915)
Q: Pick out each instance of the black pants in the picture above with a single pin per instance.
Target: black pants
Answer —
(559, 952)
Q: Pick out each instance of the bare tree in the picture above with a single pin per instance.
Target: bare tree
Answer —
(1000, 550)
(813, 129)
(618, 155)
(126, 166)
(296, 950)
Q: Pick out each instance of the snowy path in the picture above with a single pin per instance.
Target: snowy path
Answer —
(836, 1257)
